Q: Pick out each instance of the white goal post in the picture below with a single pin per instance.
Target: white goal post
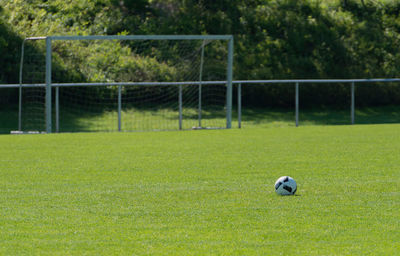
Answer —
(186, 77)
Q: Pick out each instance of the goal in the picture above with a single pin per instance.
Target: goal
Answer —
(126, 83)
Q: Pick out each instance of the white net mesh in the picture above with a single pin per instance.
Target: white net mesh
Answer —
(33, 97)
(143, 106)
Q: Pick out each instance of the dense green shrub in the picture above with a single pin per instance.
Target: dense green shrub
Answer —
(285, 39)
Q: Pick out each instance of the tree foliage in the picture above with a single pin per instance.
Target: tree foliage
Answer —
(274, 39)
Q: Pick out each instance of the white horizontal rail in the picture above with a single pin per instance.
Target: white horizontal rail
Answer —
(242, 82)
(317, 81)
(139, 83)
(145, 37)
(115, 84)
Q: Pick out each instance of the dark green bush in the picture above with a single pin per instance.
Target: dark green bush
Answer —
(287, 39)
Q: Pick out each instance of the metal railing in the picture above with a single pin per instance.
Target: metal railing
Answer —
(297, 83)
(239, 83)
(119, 85)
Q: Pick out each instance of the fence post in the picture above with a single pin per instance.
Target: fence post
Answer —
(239, 105)
(119, 107)
(199, 106)
(57, 110)
(20, 87)
(297, 104)
(201, 79)
(20, 108)
(48, 84)
(352, 103)
(180, 107)
(229, 85)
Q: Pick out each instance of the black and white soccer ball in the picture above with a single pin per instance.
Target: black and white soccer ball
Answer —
(285, 186)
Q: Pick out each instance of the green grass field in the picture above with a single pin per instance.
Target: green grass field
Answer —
(206, 192)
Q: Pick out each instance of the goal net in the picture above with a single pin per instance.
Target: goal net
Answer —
(126, 83)
(32, 90)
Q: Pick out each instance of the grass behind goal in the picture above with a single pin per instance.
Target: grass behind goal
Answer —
(202, 192)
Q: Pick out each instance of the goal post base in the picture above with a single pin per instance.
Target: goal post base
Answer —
(207, 128)
(26, 132)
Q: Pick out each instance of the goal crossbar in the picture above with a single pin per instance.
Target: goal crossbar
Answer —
(117, 84)
(143, 37)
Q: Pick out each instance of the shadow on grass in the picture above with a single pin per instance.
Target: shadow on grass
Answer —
(387, 114)
(137, 118)
(8, 118)
(250, 117)
(320, 116)
(107, 120)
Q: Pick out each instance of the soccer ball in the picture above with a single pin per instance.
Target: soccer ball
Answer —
(285, 186)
